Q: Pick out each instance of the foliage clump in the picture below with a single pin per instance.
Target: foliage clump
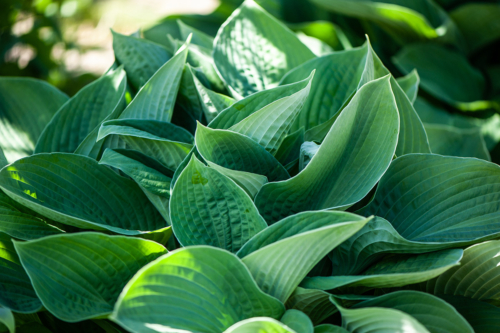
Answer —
(258, 181)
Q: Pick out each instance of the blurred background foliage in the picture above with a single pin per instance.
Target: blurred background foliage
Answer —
(68, 42)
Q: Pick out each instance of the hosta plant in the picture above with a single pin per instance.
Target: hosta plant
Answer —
(241, 183)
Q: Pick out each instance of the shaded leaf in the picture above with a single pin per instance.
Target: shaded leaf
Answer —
(76, 190)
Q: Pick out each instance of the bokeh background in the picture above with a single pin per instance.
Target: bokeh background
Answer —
(69, 42)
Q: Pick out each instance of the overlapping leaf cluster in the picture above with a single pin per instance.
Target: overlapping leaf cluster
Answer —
(247, 183)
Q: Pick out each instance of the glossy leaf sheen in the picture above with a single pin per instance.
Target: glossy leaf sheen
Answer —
(197, 289)
(80, 276)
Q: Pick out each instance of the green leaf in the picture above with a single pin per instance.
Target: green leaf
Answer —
(477, 277)
(199, 37)
(238, 152)
(298, 321)
(212, 103)
(275, 267)
(375, 319)
(261, 325)
(370, 244)
(140, 57)
(289, 150)
(447, 140)
(349, 162)
(313, 302)
(328, 328)
(317, 46)
(169, 144)
(250, 182)
(16, 291)
(483, 317)
(26, 106)
(251, 104)
(478, 23)
(154, 184)
(445, 74)
(271, 124)
(208, 208)
(432, 198)
(406, 21)
(435, 314)
(79, 276)
(22, 223)
(295, 225)
(409, 84)
(198, 289)
(336, 79)
(76, 119)
(7, 319)
(253, 50)
(3, 160)
(156, 99)
(77, 191)
(393, 271)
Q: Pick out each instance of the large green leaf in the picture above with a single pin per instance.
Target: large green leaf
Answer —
(154, 183)
(76, 190)
(406, 21)
(477, 276)
(83, 113)
(157, 97)
(165, 142)
(22, 223)
(375, 319)
(432, 198)
(208, 208)
(447, 140)
(445, 74)
(279, 267)
(478, 23)
(369, 244)
(350, 161)
(16, 291)
(269, 125)
(140, 57)
(435, 314)
(237, 152)
(248, 105)
(26, 106)
(199, 37)
(79, 276)
(298, 321)
(261, 325)
(313, 302)
(393, 271)
(483, 317)
(195, 289)
(337, 77)
(253, 50)
(7, 320)
(211, 102)
(294, 225)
